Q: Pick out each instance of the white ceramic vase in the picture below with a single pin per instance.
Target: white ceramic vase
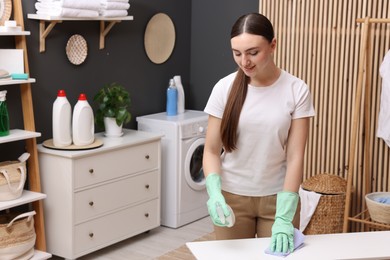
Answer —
(111, 128)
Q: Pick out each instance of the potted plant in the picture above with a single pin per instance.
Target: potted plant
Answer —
(112, 113)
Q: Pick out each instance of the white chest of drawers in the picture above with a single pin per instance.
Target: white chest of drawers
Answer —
(101, 196)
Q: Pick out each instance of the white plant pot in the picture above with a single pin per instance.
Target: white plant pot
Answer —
(112, 129)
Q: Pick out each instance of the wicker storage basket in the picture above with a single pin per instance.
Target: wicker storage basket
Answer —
(329, 214)
(12, 179)
(379, 212)
(17, 236)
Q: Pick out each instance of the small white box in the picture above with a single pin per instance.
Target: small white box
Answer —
(10, 29)
(10, 23)
(12, 60)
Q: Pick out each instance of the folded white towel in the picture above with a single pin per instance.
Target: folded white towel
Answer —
(309, 202)
(115, 6)
(68, 12)
(47, 6)
(76, 4)
(122, 1)
(113, 13)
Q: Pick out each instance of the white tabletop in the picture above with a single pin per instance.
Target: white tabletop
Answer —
(362, 245)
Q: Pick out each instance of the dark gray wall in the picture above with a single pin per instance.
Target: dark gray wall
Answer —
(211, 56)
(123, 60)
(201, 56)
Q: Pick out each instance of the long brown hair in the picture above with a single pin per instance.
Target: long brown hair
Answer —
(253, 23)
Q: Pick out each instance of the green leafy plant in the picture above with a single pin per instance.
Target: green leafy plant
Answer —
(113, 100)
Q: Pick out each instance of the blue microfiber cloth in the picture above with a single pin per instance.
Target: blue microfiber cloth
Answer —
(299, 238)
(385, 200)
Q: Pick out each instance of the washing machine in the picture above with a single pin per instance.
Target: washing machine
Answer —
(183, 186)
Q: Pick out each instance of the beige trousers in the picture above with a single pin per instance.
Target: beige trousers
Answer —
(254, 217)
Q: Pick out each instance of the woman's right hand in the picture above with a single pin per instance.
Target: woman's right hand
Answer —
(216, 200)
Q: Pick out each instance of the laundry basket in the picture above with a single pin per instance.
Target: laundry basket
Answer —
(329, 214)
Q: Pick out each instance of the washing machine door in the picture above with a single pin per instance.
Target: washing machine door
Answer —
(193, 168)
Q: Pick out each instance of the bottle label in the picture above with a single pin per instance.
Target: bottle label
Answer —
(171, 101)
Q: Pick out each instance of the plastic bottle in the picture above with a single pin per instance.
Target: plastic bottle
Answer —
(171, 99)
(62, 124)
(180, 94)
(4, 118)
(83, 126)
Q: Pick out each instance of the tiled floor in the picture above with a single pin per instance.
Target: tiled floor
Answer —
(153, 244)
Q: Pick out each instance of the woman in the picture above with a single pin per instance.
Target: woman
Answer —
(259, 119)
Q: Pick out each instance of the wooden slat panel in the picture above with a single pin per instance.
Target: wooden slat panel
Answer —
(319, 42)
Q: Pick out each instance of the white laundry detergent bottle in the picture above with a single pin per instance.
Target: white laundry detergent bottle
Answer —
(61, 120)
(83, 126)
(180, 94)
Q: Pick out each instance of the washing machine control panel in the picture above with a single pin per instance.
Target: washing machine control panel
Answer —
(193, 129)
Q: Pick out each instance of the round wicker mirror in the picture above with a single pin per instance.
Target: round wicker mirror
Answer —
(159, 38)
(5, 10)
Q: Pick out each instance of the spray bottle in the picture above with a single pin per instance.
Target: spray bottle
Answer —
(171, 99)
(4, 118)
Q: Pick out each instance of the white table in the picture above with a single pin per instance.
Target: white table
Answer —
(362, 245)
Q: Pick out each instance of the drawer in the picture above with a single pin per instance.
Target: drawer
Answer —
(115, 227)
(113, 195)
(113, 164)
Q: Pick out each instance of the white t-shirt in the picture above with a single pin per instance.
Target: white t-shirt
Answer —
(258, 166)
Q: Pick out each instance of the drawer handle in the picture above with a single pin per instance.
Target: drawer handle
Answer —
(90, 171)
(91, 235)
(147, 215)
(147, 156)
(91, 203)
(147, 186)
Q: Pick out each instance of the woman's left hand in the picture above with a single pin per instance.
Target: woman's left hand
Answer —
(282, 239)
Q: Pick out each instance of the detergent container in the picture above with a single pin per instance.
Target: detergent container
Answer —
(171, 99)
(62, 124)
(83, 125)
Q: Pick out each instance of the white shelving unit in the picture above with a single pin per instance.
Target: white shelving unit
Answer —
(14, 33)
(16, 81)
(18, 135)
(39, 255)
(53, 20)
(27, 197)
(29, 135)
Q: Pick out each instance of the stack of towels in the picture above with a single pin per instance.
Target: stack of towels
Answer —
(114, 8)
(68, 8)
(82, 8)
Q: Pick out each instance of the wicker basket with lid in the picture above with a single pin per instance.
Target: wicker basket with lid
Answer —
(329, 214)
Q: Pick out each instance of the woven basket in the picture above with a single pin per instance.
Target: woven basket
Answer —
(17, 236)
(76, 49)
(13, 171)
(12, 179)
(379, 212)
(329, 214)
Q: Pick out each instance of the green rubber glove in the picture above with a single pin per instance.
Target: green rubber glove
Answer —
(282, 238)
(216, 199)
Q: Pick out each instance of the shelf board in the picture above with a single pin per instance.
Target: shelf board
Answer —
(60, 18)
(39, 255)
(17, 135)
(14, 33)
(27, 197)
(16, 81)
